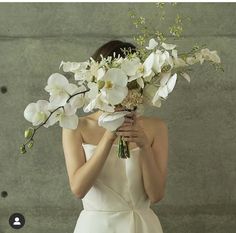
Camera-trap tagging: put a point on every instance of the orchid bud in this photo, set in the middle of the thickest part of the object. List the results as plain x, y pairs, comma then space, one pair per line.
22, 149
31, 143
29, 132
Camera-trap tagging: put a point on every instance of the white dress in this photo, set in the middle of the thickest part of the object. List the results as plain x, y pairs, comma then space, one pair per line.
117, 201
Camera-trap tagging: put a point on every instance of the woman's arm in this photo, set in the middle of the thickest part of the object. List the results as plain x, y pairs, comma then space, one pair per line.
154, 159
82, 174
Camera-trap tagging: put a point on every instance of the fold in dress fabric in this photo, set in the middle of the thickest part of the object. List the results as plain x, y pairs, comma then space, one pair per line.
117, 201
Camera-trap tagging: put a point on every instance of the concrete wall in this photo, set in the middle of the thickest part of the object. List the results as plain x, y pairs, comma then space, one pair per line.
35, 37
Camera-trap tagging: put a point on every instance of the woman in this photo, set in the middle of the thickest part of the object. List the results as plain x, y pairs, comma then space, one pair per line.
116, 193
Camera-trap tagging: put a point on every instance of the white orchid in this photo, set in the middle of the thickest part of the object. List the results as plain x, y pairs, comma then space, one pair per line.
134, 69
148, 93
82, 73
168, 59
66, 116
114, 89
191, 60
167, 84
130, 66
37, 113
186, 76
60, 89
94, 72
78, 101
98, 103
70, 66
199, 57
111, 121
148, 63
78, 68
168, 46
117, 62
178, 62
161, 59
206, 54
93, 92
210, 55
152, 44
155, 62
108, 81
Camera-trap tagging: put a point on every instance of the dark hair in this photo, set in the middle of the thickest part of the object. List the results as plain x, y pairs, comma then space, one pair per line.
112, 46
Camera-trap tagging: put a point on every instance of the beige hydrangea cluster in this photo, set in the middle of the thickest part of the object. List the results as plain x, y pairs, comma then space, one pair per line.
133, 98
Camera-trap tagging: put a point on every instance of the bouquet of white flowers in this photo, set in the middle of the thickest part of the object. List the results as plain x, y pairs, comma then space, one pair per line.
137, 79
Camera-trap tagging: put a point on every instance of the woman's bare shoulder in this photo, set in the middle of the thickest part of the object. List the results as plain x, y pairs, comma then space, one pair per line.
153, 123
85, 122
152, 120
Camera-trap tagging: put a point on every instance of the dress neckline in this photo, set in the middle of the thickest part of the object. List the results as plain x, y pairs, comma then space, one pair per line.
131, 149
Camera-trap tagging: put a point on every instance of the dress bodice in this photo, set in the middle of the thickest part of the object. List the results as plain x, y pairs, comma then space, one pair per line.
118, 197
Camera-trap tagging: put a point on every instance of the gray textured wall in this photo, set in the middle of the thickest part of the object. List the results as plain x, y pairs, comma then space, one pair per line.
35, 37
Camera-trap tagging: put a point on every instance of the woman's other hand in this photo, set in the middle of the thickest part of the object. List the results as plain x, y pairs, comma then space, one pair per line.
133, 132
112, 135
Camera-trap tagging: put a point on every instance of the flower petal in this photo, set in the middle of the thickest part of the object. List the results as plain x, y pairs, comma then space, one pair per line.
90, 106
140, 82
69, 122
168, 46
152, 44
186, 76
30, 111
171, 83
117, 76
130, 67
148, 63
57, 79
164, 78
111, 121
69, 66
116, 95
58, 100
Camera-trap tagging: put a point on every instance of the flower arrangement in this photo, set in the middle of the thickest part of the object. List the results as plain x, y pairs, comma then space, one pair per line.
144, 77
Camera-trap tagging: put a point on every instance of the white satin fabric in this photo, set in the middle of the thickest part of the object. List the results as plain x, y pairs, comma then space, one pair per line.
117, 201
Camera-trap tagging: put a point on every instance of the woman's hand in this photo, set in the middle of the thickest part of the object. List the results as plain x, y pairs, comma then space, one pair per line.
132, 131
112, 135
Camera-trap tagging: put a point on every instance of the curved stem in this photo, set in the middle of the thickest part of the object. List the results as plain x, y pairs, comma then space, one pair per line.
35, 129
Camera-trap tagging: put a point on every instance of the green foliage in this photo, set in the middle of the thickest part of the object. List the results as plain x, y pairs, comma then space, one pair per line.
146, 31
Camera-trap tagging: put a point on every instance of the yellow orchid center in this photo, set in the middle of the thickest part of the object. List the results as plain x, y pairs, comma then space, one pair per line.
108, 84
141, 69
101, 84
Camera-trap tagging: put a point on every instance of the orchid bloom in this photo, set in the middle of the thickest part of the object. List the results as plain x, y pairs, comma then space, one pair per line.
178, 62
98, 103
66, 116
134, 69
70, 66
114, 89
210, 55
167, 85
152, 44
111, 121
168, 46
60, 89
37, 113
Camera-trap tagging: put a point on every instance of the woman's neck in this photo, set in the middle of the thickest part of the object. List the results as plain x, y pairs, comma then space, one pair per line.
96, 115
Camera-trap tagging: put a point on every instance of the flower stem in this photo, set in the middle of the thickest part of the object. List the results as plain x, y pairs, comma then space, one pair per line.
123, 150
43, 123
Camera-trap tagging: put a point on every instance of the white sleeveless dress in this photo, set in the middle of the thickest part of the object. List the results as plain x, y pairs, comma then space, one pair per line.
117, 201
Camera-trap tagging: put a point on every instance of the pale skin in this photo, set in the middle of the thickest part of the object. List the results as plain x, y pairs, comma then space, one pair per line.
150, 134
